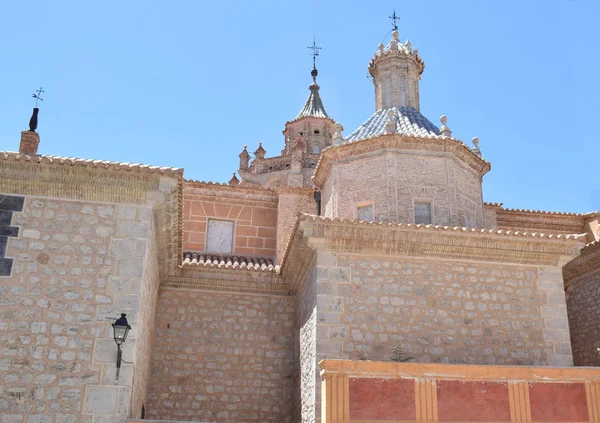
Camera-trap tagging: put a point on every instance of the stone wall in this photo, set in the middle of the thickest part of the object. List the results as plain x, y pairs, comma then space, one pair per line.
254, 213
209, 361
582, 284
306, 376
77, 265
443, 311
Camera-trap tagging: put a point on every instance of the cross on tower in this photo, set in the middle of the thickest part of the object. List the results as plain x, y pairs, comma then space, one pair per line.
315, 52
38, 96
394, 18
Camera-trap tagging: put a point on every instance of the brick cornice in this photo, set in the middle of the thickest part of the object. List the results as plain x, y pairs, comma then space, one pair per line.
228, 280
420, 241
243, 196
306, 192
298, 256
586, 264
397, 142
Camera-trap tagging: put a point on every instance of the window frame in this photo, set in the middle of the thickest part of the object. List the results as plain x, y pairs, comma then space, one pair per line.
208, 234
365, 204
431, 210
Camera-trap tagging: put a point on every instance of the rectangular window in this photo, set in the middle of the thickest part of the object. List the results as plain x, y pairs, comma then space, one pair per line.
365, 212
219, 238
423, 212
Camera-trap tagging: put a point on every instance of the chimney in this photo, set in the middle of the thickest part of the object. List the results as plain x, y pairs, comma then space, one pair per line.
29, 143
30, 139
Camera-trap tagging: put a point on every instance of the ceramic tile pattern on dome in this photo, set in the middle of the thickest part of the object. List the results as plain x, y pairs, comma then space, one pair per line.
409, 121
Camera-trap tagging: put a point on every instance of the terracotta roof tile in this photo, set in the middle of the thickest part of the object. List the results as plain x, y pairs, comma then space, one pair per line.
229, 261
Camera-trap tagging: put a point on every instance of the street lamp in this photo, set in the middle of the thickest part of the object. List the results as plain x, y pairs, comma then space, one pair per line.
120, 331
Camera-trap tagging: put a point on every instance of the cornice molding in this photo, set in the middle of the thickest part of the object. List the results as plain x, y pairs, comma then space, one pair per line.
428, 241
396, 142
303, 191
243, 196
228, 280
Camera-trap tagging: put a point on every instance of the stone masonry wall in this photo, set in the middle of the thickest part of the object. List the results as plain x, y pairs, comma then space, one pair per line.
209, 361
583, 304
147, 299
307, 376
442, 311
255, 222
77, 265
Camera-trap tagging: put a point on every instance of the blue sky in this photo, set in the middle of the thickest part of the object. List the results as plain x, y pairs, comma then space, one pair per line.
189, 83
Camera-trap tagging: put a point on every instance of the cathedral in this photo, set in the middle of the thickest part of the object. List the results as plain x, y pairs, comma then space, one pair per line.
352, 277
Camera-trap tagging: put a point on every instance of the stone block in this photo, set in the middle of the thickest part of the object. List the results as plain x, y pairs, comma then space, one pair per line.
101, 400
126, 212
132, 229
105, 351
132, 267
122, 247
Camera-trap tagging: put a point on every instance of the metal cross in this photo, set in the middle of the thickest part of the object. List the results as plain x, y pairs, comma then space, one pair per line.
394, 18
315, 52
38, 96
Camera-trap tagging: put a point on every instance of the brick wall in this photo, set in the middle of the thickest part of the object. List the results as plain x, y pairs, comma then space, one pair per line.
209, 359
583, 304
77, 265
289, 205
255, 219
392, 182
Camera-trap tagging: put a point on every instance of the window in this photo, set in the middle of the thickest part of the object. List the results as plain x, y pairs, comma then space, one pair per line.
219, 238
423, 212
316, 149
470, 220
365, 212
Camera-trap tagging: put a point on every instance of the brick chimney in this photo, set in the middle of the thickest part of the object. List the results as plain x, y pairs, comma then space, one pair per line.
30, 139
29, 143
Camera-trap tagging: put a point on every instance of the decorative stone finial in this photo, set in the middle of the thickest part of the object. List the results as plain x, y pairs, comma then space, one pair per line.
407, 45
234, 180
476, 149
416, 52
380, 48
394, 42
260, 152
444, 130
244, 158
390, 124
337, 138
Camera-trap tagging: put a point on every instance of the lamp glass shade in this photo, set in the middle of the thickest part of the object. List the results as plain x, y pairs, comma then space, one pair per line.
121, 329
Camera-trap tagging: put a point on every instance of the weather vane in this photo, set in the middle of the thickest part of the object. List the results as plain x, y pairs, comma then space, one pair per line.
315, 52
38, 96
394, 18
